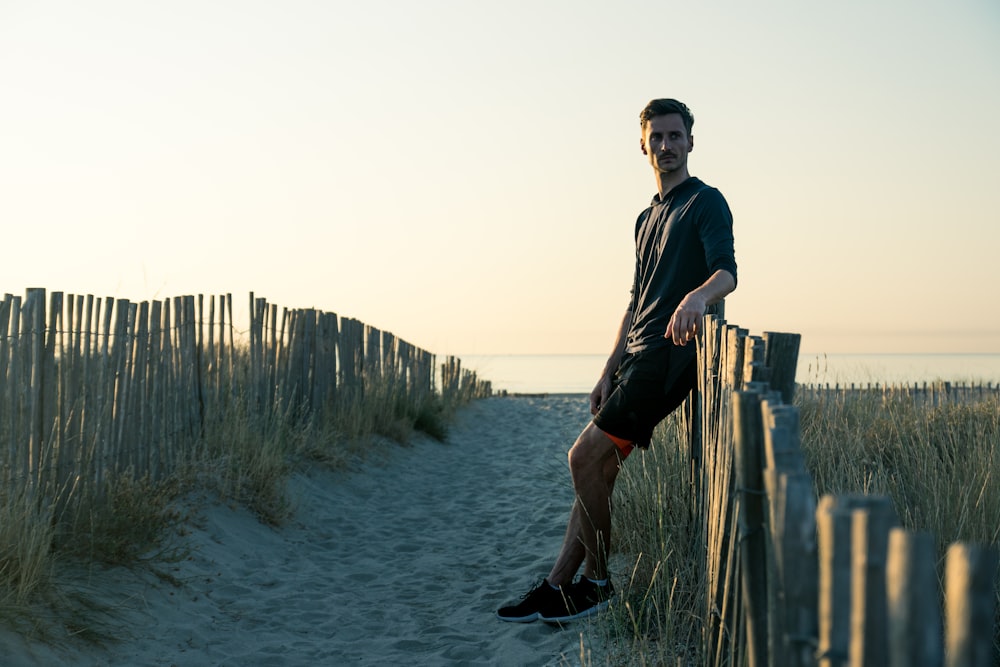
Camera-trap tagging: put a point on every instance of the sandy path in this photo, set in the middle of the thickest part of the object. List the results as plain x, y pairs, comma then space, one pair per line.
399, 562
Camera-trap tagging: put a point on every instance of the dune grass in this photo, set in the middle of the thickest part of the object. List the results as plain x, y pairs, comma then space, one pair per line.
26, 533
243, 458
655, 618
939, 465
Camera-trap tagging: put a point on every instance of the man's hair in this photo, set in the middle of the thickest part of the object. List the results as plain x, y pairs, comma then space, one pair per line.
664, 107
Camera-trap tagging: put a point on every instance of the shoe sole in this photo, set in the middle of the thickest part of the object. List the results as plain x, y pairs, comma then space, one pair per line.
519, 619
556, 620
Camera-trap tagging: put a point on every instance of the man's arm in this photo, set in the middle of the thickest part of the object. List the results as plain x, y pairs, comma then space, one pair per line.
603, 388
686, 320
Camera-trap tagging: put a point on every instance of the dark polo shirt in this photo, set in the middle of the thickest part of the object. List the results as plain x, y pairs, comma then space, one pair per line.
680, 241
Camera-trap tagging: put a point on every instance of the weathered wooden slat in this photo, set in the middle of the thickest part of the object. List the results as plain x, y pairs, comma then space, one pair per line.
272, 351
781, 358
160, 443
50, 383
34, 327
870, 526
140, 407
970, 605
748, 443
308, 358
914, 605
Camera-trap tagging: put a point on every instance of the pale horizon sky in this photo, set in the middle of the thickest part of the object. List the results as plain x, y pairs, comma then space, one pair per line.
467, 174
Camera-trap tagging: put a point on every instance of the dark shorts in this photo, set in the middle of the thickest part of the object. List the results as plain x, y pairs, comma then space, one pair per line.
648, 386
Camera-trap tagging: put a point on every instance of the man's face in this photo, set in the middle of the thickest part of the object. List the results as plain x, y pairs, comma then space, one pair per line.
666, 142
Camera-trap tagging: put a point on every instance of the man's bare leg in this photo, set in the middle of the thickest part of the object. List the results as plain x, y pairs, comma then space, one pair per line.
594, 465
594, 462
572, 554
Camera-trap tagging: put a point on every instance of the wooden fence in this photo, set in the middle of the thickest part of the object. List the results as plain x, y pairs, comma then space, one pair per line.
93, 387
792, 580
921, 393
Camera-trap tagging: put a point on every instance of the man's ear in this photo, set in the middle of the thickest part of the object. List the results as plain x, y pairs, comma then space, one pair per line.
690, 143
642, 146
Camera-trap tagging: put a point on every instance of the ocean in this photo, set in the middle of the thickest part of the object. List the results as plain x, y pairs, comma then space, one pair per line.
577, 373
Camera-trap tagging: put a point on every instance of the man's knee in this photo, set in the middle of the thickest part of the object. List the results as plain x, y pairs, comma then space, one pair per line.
590, 452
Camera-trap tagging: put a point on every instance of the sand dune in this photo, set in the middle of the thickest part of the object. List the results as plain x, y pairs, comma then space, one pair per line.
399, 561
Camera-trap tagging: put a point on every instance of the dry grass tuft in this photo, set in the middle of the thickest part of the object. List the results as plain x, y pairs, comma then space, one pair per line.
939, 465
130, 523
246, 460
26, 533
655, 618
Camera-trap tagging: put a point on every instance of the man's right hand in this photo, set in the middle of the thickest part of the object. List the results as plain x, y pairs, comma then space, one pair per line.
600, 394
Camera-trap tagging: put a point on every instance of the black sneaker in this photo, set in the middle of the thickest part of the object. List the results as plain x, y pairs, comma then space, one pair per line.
542, 599
581, 599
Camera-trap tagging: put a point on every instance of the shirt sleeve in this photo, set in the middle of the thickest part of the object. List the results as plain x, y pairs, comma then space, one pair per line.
715, 227
634, 292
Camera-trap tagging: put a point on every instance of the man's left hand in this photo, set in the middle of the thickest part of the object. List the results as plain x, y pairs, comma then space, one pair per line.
684, 323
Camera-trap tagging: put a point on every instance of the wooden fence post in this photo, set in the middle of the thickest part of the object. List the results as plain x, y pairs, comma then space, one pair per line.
754, 361
914, 607
736, 350
8, 376
140, 403
256, 331
870, 526
799, 567
308, 357
50, 380
833, 526
853, 533
748, 443
34, 319
156, 393
781, 357
719, 502
970, 605
326, 365
792, 520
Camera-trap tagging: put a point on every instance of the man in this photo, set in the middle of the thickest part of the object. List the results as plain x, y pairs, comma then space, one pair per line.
684, 263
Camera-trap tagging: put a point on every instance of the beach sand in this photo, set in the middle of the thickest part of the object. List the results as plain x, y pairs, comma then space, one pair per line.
397, 561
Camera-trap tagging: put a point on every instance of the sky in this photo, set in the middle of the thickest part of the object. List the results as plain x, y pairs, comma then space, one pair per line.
467, 174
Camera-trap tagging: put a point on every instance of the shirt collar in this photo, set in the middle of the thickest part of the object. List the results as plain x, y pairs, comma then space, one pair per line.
657, 201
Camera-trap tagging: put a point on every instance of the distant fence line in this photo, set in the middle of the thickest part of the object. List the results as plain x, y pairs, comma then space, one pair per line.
792, 580
922, 393
90, 387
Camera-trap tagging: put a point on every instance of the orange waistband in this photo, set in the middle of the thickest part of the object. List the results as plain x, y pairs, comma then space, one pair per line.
623, 445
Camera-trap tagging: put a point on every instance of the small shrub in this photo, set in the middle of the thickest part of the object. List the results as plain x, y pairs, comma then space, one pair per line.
432, 418
129, 523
